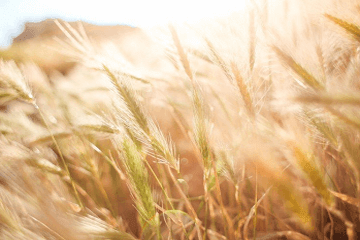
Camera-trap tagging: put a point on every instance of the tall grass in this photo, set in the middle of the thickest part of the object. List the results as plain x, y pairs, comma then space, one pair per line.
251, 133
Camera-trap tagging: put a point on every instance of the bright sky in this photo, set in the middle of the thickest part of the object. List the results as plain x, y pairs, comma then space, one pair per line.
13, 13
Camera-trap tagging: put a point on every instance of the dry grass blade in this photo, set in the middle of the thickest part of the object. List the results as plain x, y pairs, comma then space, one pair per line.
253, 212
350, 28
350, 228
229, 227
198, 224
115, 235
290, 235
327, 99
309, 79
346, 198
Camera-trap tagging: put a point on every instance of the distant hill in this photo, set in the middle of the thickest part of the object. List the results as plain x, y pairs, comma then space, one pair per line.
37, 44
48, 28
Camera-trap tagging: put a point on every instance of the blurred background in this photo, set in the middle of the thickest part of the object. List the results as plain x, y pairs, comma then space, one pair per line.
139, 13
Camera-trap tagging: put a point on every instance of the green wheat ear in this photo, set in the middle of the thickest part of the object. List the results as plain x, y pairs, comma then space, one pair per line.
140, 188
350, 28
315, 176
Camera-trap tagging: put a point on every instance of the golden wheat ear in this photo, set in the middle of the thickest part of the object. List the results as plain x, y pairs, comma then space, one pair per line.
307, 77
352, 29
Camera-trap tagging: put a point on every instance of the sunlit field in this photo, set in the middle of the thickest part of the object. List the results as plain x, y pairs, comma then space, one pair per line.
240, 127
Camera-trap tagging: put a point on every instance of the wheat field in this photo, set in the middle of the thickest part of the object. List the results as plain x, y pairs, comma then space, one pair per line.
243, 127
